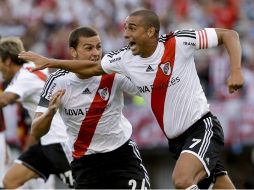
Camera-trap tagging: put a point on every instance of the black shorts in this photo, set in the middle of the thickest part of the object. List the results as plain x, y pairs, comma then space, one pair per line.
46, 160
118, 169
205, 140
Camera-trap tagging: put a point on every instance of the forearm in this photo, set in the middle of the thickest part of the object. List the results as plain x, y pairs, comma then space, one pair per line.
85, 68
41, 124
231, 41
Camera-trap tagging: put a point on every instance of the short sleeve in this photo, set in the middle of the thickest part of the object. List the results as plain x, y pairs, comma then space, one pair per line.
50, 87
206, 38
126, 85
112, 63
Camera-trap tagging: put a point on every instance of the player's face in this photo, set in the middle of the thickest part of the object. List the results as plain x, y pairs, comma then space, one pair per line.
5, 69
136, 36
89, 48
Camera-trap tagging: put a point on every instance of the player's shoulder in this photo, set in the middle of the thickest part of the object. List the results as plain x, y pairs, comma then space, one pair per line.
58, 74
190, 33
117, 54
178, 34
56, 79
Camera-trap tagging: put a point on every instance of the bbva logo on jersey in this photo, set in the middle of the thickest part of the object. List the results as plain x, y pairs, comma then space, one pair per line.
165, 67
104, 93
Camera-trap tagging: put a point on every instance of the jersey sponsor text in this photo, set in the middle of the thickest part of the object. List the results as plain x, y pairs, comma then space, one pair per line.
148, 88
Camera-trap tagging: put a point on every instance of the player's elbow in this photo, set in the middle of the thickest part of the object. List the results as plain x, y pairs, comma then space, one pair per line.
233, 34
227, 35
35, 133
38, 132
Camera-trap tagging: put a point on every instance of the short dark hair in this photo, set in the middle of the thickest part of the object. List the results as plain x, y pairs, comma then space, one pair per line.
80, 32
150, 18
10, 47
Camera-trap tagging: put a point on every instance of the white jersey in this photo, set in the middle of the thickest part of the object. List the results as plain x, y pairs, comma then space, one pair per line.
168, 79
92, 110
28, 86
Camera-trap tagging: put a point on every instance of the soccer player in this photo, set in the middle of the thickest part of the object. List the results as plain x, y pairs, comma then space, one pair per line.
47, 156
163, 70
104, 157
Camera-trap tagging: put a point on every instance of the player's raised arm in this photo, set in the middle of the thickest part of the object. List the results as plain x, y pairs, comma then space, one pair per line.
42, 121
230, 39
84, 67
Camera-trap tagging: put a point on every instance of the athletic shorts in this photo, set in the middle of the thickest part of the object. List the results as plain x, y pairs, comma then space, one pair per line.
205, 140
118, 169
47, 159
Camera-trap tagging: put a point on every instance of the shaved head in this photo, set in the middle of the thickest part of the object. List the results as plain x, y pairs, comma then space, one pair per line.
149, 19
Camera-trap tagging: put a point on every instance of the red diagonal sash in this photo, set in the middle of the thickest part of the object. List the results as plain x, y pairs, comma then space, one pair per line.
93, 116
41, 75
161, 81
38, 73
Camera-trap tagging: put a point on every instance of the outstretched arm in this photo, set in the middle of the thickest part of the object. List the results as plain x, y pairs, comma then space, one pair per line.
230, 40
42, 121
85, 68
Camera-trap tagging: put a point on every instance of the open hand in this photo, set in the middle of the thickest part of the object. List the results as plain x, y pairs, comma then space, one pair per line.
40, 61
55, 101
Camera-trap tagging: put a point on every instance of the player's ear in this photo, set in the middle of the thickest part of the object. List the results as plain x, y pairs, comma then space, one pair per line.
151, 32
8, 62
73, 52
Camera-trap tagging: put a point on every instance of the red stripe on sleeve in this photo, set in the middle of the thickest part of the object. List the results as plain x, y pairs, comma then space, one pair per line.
200, 40
203, 41
206, 39
161, 81
92, 118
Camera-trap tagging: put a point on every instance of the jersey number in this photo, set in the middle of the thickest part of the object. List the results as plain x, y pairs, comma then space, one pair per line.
133, 183
196, 141
67, 178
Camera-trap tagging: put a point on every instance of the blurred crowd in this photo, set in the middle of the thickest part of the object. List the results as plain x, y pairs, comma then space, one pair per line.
44, 26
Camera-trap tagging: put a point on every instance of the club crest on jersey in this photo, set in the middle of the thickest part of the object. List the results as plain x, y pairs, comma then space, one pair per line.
104, 93
165, 67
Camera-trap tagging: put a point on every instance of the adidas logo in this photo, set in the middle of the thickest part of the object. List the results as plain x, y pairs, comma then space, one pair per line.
86, 91
149, 69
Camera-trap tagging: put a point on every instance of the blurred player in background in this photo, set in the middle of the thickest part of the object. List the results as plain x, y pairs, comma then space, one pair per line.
46, 156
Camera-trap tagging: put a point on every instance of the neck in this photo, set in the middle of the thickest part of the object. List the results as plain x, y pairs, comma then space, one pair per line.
78, 75
15, 68
150, 49
81, 77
